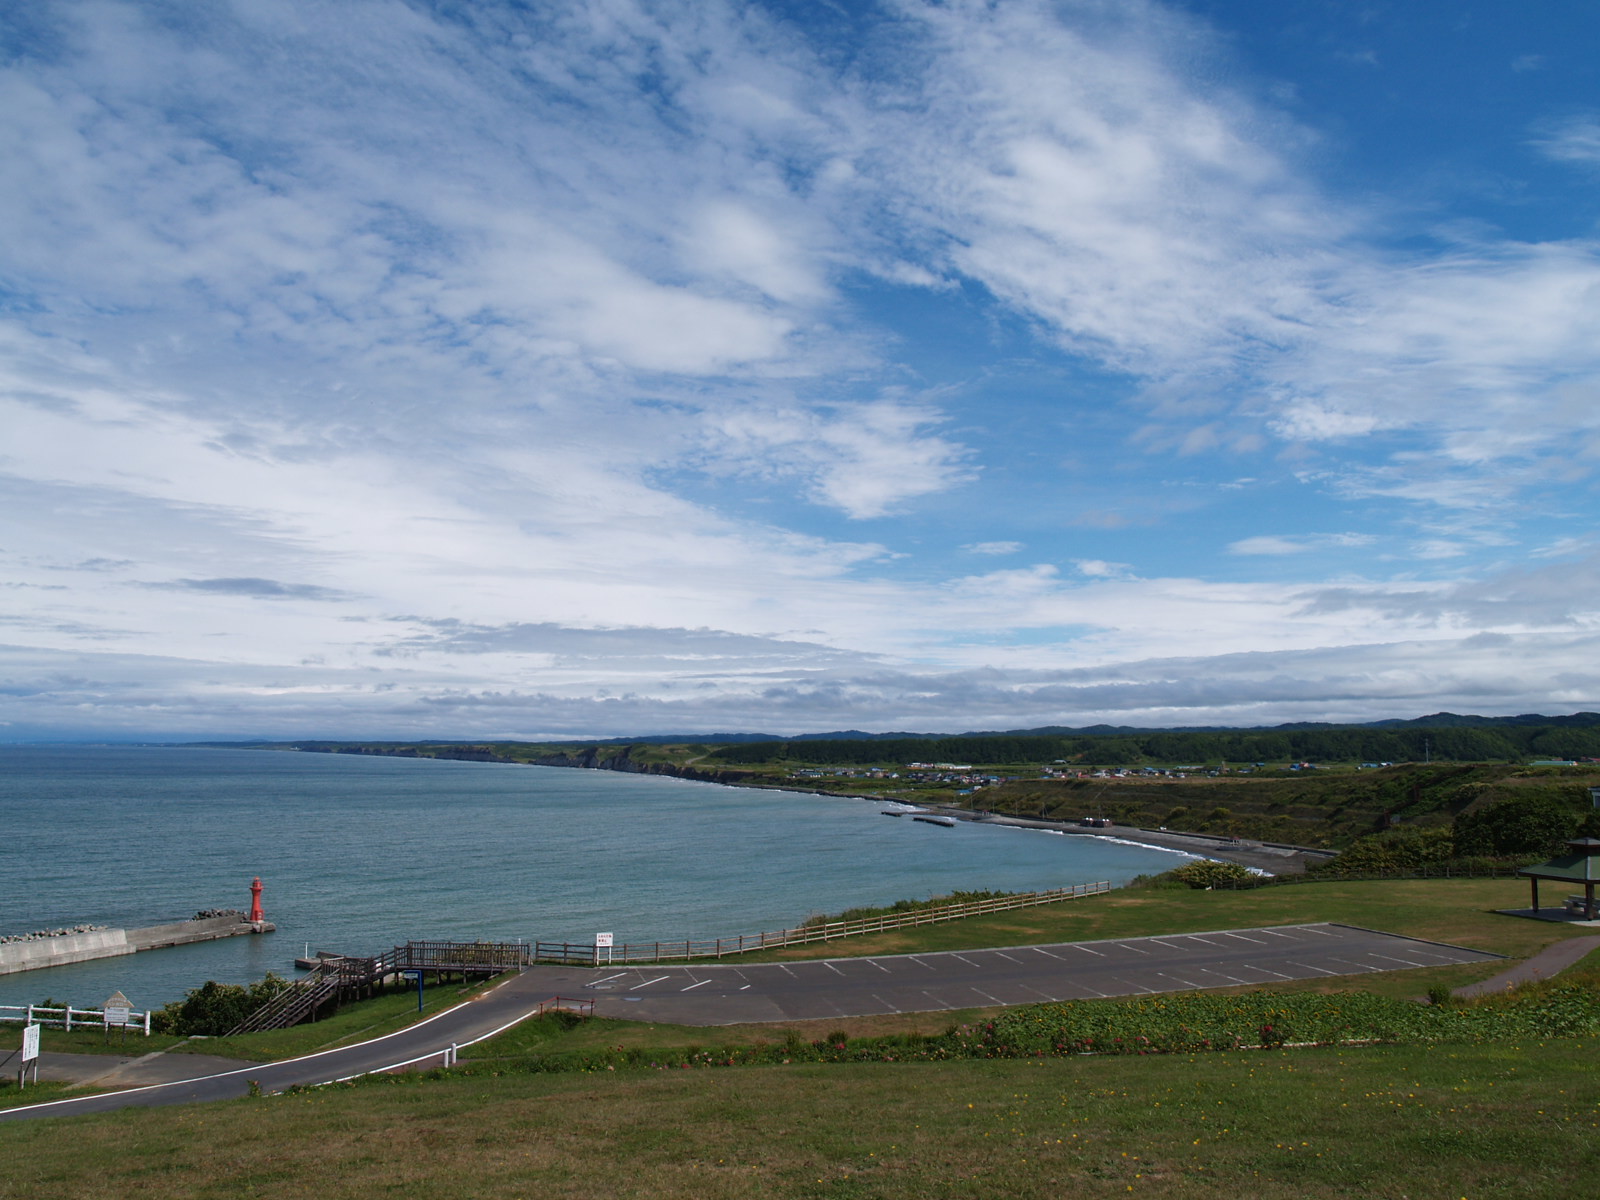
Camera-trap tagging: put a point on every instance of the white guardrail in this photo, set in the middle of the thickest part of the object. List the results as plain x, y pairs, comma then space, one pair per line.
71, 1018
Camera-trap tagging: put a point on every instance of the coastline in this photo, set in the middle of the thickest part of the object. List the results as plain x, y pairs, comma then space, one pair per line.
1274, 858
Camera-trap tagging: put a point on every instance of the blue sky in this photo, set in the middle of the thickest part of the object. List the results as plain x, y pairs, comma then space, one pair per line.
385, 369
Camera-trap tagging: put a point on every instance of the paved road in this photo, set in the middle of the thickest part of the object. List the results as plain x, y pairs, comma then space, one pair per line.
829, 988
853, 987
421, 1044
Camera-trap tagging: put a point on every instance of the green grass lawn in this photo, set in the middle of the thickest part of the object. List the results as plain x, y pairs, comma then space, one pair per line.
1498, 1121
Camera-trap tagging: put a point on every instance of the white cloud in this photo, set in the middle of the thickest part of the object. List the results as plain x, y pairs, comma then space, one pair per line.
1575, 139
1275, 545
996, 548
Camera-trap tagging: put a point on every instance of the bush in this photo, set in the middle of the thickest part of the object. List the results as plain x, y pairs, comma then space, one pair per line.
1208, 873
213, 1008
1536, 824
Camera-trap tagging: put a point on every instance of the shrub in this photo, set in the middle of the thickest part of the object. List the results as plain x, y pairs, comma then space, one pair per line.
213, 1008
1208, 873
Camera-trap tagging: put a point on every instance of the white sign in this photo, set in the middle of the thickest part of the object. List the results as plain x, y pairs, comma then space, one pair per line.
118, 1010
30, 1043
603, 941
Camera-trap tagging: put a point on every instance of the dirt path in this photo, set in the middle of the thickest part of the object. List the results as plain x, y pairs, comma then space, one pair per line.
1550, 961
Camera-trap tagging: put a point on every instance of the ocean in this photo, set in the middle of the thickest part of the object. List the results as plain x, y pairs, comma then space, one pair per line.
357, 854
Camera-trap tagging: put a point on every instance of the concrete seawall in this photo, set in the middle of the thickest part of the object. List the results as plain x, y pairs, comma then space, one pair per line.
110, 943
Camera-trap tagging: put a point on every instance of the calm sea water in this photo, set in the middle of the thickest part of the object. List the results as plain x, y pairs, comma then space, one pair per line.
357, 854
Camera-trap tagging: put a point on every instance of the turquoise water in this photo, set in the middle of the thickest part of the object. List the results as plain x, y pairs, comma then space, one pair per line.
358, 853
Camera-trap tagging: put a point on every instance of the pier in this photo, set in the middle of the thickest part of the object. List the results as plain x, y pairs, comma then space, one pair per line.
36, 953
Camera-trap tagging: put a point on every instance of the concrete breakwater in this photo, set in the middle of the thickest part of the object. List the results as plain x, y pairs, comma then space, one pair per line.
35, 953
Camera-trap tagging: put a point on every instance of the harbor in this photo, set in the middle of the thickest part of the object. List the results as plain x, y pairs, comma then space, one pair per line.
37, 952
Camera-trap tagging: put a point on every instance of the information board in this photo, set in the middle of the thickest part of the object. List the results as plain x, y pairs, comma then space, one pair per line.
30, 1043
603, 940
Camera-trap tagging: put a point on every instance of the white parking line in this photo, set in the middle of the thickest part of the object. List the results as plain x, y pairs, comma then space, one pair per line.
986, 996
1309, 967
1046, 953
1242, 938
1131, 946
1138, 987
648, 982
609, 978
1086, 950
1392, 958
1194, 937
919, 962
879, 965
692, 986
938, 1003
833, 968
968, 961
1276, 933
1181, 979
1224, 974
1008, 958
1264, 971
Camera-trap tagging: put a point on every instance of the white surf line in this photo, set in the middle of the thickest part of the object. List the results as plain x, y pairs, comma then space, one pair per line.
692, 986
648, 982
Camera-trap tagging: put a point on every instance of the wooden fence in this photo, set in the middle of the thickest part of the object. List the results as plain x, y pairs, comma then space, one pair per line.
69, 1017
585, 954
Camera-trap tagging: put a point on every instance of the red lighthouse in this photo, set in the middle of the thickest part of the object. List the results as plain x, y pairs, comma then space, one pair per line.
255, 901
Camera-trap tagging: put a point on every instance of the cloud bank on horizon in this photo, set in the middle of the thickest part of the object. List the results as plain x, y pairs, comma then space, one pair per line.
383, 368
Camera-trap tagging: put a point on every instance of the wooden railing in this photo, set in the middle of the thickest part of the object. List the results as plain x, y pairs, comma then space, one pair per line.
69, 1017
336, 977
670, 951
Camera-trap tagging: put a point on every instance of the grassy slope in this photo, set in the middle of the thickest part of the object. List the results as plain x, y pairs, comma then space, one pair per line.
1479, 1121
1513, 1121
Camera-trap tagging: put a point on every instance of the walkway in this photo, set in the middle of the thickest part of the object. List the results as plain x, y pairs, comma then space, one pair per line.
1552, 960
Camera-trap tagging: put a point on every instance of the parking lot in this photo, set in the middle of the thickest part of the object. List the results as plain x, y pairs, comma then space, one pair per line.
734, 993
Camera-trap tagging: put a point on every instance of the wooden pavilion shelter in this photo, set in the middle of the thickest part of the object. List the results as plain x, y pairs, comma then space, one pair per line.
1579, 865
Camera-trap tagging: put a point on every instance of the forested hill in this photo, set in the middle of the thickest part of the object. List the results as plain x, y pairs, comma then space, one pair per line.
1507, 742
